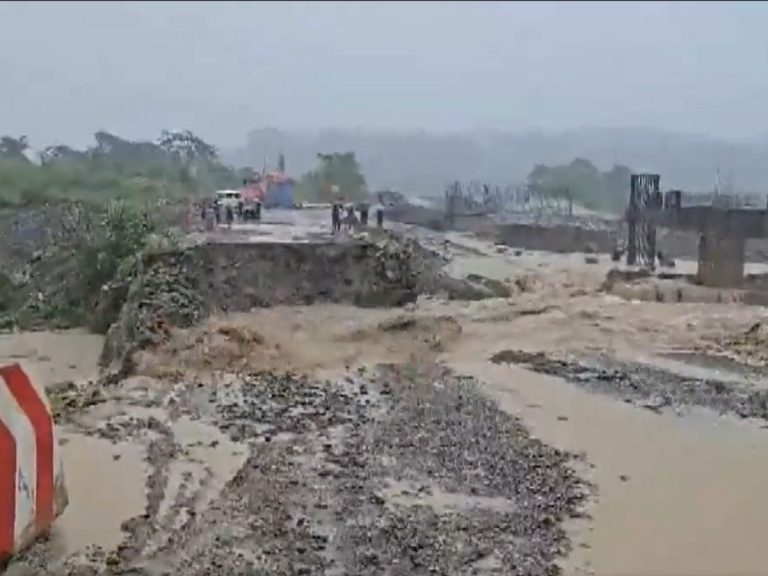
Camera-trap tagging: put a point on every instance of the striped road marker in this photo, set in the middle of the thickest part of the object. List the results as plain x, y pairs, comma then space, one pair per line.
30, 466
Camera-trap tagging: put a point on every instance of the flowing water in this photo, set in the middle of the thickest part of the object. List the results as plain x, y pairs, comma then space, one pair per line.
675, 495
53, 357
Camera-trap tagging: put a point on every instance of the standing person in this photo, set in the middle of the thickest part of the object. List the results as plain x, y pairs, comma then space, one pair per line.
379, 215
209, 219
217, 211
257, 211
364, 214
335, 218
230, 216
350, 219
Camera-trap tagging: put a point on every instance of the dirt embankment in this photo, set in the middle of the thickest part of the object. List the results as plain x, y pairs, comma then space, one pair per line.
177, 289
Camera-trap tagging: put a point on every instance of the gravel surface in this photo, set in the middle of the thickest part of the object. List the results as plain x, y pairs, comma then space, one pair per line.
397, 470
647, 386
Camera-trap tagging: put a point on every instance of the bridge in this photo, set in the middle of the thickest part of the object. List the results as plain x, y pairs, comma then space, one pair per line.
723, 230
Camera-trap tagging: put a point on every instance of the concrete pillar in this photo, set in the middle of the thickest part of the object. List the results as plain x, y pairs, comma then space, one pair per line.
721, 260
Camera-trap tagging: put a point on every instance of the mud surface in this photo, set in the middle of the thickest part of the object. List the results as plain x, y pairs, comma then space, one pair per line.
402, 470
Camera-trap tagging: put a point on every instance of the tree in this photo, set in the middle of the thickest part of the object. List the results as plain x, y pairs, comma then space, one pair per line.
14, 148
334, 170
60, 152
187, 146
586, 184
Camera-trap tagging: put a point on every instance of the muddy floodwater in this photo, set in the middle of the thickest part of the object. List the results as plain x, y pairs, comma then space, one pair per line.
674, 493
54, 357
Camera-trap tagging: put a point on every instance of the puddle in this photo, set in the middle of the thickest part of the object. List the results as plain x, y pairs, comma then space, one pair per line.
103, 492
676, 495
207, 446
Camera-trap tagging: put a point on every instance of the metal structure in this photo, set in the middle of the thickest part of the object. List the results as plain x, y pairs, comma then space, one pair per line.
644, 195
477, 198
723, 229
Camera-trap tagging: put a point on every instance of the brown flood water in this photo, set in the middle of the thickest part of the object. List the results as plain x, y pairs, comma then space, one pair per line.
676, 495
53, 357
694, 493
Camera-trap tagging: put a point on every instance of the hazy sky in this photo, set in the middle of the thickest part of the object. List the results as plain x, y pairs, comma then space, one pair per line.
68, 69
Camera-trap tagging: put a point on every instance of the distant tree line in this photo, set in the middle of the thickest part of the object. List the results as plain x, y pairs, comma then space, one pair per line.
178, 163
337, 176
587, 185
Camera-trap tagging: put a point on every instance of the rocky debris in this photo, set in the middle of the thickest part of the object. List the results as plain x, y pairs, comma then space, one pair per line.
750, 347
529, 283
496, 287
647, 386
166, 295
400, 470
68, 399
617, 276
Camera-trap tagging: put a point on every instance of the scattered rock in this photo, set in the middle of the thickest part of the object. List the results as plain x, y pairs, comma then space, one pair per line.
647, 386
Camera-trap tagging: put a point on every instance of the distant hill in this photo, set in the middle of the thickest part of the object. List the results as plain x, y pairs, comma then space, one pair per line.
421, 163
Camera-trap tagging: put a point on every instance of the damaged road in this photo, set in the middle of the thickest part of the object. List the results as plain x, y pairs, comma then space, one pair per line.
402, 469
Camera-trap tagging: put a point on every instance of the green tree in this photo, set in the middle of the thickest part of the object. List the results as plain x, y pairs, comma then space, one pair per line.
586, 184
179, 164
335, 170
13, 148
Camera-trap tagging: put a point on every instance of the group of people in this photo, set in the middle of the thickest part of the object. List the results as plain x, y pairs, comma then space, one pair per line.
211, 213
350, 219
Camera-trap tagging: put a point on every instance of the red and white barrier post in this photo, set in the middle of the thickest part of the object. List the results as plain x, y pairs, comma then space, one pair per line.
32, 489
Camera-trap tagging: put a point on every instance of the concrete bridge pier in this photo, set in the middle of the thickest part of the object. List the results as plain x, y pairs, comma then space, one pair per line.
721, 259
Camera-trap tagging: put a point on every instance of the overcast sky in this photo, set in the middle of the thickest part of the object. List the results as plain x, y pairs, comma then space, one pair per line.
68, 69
